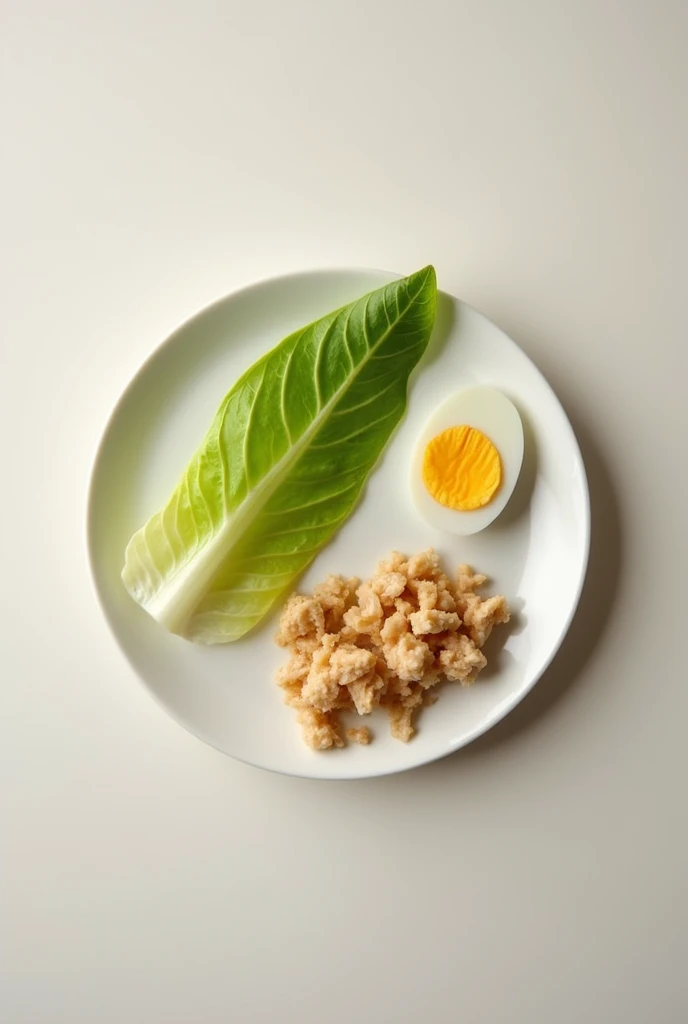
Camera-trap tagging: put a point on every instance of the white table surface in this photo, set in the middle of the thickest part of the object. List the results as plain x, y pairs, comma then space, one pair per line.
157, 156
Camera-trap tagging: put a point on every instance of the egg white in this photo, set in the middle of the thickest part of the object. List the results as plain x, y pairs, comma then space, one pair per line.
491, 412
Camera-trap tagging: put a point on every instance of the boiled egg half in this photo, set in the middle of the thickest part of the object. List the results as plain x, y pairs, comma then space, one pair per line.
467, 461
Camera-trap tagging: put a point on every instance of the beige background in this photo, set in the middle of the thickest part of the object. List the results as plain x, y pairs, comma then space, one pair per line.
158, 155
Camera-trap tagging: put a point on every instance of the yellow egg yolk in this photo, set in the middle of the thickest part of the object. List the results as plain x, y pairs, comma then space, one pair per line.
462, 468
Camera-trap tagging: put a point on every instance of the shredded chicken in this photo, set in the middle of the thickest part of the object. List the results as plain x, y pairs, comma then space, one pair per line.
383, 643
361, 735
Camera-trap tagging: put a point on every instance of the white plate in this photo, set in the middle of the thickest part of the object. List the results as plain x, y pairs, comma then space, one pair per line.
535, 553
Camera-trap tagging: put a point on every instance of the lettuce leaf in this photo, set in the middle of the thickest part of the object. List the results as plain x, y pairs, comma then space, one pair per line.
282, 465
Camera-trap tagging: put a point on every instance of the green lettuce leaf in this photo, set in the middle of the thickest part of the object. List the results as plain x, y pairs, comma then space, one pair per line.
282, 465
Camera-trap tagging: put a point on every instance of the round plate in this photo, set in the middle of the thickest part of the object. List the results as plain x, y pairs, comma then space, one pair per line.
536, 552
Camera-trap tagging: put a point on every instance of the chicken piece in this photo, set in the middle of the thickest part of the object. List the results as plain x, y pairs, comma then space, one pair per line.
395, 563
461, 658
431, 620
388, 586
425, 565
333, 667
400, 722
335, 594
409, 657
405, 654
482, 614
301, 617
468, 581
366, 616
365, 692
319, 729
445, 598
361, 735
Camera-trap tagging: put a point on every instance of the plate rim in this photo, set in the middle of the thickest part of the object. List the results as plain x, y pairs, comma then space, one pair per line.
501, 711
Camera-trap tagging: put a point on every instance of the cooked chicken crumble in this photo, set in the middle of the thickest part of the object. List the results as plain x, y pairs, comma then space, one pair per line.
383, 643
361, 735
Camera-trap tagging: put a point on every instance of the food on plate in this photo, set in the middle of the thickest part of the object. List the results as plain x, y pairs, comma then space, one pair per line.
467, 461
383, 643
282, 466
362, 735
